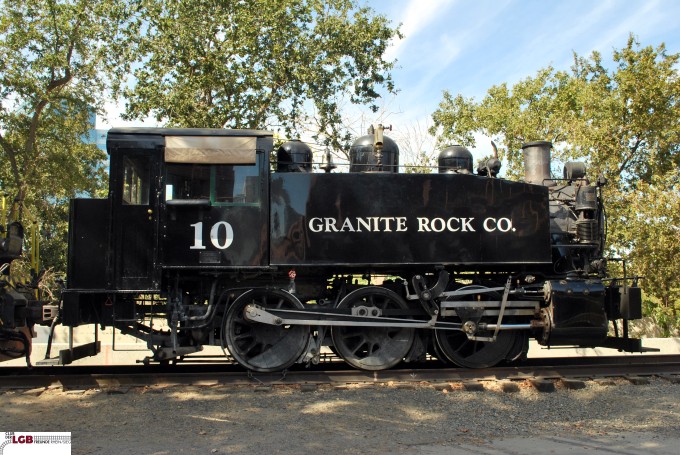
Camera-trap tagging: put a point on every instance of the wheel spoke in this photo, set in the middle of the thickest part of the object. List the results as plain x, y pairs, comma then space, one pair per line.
249, 348
242, 336
349, 334
358, 347
462, 345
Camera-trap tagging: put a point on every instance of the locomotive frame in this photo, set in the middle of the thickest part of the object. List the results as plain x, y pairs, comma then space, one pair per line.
200, 242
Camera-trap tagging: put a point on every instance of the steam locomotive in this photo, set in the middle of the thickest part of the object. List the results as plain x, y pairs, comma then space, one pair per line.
20, 306
203, 241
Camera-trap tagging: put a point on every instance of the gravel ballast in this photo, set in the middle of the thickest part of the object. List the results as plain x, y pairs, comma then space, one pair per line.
375, 419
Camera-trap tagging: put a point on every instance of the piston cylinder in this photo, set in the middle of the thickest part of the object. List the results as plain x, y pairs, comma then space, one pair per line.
575, 313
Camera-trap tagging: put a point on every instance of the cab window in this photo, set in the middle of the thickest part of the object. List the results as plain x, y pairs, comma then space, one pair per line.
220, 184
136, 180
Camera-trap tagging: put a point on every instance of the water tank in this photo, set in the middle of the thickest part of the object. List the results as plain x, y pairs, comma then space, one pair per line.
362, 157
455, 159
294, 156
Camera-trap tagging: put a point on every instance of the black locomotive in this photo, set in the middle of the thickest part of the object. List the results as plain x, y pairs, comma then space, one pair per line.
202, 241
20, 305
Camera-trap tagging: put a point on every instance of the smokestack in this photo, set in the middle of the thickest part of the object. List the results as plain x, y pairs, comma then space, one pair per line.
537, 162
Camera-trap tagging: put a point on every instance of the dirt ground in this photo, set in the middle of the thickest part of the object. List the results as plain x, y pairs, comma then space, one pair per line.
379, 419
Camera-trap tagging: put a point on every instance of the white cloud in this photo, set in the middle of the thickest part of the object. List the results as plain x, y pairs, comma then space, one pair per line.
416, 17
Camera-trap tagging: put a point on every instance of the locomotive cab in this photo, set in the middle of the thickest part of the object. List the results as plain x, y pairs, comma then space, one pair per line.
180, 201
187, 199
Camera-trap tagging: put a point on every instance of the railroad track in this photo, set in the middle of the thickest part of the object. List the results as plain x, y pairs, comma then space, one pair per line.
540, 372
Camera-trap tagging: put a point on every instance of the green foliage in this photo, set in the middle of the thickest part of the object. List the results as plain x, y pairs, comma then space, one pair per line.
625, 123
254, 64
649, 231
57, 59
529, 111
259, 64
665, 318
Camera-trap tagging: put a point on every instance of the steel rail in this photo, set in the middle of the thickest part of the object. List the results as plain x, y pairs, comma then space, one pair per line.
333, 373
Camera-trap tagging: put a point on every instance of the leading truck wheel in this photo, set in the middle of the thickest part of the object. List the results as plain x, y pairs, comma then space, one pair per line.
262, 347
372, 348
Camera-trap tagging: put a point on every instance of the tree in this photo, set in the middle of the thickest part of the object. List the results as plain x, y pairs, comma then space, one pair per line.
651, 237
418, 148
625, 123
259, 64
57, 59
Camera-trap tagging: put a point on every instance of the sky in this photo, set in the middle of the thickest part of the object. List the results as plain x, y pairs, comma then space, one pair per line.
467, 46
